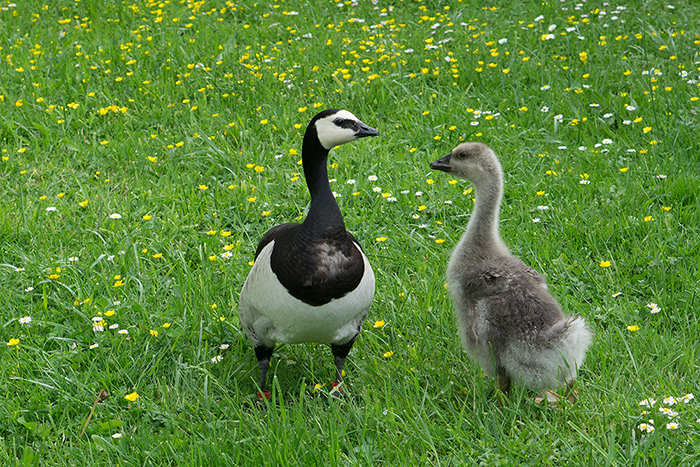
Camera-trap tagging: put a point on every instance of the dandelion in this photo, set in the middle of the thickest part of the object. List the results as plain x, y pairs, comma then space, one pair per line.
132, 397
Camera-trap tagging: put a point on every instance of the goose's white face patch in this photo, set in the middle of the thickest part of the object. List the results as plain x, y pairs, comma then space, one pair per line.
331, 135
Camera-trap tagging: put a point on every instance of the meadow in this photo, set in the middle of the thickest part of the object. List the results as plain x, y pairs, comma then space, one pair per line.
146, 146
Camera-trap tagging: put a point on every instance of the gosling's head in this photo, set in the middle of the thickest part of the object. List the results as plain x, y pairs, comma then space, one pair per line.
474, 161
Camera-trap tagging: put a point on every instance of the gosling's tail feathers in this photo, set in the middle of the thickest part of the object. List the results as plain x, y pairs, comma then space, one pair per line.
577, 339
555, 360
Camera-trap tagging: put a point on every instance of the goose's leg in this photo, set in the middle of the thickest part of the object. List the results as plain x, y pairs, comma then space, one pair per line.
340, 353
263, 353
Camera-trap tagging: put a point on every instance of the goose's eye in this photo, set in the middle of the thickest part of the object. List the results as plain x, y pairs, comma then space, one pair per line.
345, 123
461, 155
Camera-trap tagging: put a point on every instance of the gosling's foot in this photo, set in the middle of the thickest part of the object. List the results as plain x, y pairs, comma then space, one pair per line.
554, 398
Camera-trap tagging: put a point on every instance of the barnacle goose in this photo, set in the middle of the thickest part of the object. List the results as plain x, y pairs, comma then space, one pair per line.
310, 282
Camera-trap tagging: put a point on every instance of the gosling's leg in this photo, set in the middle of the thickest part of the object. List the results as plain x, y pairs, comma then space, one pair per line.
263, 353
571, 392
503, 386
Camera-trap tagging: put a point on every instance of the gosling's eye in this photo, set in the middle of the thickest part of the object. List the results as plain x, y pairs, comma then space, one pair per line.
461, 155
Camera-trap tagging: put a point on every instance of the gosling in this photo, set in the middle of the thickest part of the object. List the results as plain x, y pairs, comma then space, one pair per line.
507, 320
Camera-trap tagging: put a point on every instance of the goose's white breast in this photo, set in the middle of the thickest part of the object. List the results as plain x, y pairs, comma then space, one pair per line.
270, 314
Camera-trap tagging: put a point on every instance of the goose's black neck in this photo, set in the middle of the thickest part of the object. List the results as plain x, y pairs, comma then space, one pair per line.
324, 217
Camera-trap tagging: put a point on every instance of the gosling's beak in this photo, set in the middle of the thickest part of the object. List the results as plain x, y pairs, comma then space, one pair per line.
365, 131
442, 164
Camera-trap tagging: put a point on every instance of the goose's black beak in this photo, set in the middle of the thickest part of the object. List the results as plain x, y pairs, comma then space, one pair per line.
365, 131
442, 164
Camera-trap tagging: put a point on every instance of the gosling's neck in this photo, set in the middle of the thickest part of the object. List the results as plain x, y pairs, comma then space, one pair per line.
482, 240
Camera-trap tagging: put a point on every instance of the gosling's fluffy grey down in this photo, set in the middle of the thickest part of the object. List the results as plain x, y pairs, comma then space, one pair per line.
507, 319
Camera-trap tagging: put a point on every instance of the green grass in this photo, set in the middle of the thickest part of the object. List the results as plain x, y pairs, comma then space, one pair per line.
176, 110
